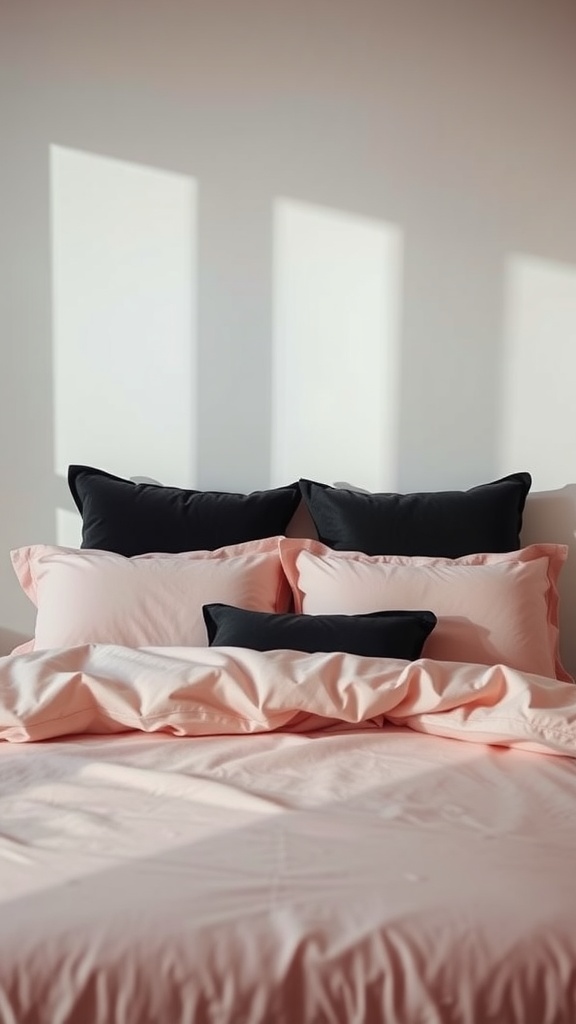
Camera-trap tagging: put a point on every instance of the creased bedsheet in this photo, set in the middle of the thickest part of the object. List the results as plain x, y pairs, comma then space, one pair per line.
223, 691
347, 874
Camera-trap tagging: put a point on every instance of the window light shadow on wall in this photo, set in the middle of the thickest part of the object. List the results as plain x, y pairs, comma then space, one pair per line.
336, 301
538, 425
124, 319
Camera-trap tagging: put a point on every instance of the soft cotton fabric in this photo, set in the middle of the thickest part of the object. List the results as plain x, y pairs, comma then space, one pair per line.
345, 876
389, 634
86, 596
229, 690
491, 608
135, 518
432, 523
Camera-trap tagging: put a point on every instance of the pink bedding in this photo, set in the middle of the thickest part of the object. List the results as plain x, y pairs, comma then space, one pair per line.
339, 868
221, 691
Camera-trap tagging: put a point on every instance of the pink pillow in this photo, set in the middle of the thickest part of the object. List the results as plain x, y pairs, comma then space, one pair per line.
492, 609
153, 600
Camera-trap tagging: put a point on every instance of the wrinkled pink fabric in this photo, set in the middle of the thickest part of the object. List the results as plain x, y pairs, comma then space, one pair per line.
223, 691
348, 876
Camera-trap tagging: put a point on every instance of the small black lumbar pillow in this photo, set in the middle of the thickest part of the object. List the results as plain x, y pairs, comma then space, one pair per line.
437, 524
386, 634
134, 519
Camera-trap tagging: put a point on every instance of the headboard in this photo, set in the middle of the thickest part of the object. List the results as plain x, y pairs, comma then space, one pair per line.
550, 516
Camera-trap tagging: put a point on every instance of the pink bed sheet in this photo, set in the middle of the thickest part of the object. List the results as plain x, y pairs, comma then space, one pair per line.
344, 875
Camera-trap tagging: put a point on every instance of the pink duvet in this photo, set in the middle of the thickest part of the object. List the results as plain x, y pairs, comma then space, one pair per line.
297, 855
223, 691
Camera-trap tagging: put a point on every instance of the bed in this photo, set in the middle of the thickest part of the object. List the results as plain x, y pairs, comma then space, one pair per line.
253, 833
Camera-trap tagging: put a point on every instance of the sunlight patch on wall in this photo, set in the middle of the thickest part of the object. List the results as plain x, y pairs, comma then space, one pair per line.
124, 311
68, 528
337, 289
538, 426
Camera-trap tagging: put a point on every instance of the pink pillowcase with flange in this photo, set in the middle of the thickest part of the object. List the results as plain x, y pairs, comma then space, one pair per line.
491, 608
153, 600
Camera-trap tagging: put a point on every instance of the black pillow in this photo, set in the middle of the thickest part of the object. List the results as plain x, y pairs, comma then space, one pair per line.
133, 519
389, 634
437, 523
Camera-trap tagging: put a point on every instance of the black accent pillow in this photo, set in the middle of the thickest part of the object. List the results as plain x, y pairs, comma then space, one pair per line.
387, 634
134, 519
445, 524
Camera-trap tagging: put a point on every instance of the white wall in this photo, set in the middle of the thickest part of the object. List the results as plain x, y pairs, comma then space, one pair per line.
448, 122
123, 315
